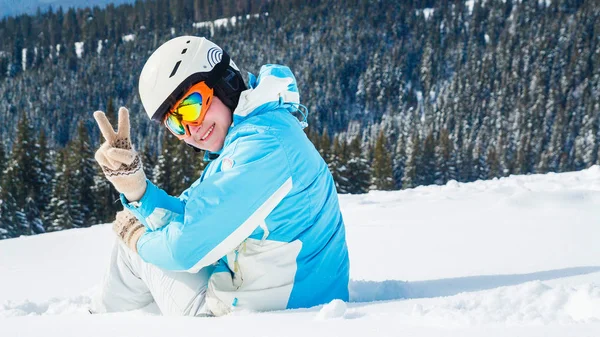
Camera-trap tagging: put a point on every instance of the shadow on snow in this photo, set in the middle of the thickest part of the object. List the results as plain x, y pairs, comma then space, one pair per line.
367, 291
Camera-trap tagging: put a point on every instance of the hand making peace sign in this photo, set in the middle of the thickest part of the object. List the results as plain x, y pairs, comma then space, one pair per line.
120, 162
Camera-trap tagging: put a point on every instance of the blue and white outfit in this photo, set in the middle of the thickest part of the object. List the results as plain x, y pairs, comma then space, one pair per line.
263, 222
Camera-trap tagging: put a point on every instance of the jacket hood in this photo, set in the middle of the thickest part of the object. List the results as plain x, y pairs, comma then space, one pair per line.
275, 87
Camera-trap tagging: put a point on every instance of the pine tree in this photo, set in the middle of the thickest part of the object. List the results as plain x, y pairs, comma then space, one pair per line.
185, 161
586, 146
427, 77
8, 208
61, 205
443, 155
8, 216
83, 169
338, 165
3, 158
165, 172
399, 161
44, 169
19, 181
523, 153
18, 171
383, 176
493, 163
106, 198
480, 156
359, 172
426, 175
557, 139
111, 112
410, 178
149, 161
466, 170
33, 217
325, 146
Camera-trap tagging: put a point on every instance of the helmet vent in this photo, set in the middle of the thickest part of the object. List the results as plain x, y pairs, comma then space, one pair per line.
175, 69
183, 51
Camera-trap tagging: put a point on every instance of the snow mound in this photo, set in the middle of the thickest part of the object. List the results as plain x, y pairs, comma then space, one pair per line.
55, 306
334, 309
529, 303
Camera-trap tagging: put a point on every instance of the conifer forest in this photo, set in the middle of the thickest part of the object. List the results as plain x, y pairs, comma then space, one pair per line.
399, 93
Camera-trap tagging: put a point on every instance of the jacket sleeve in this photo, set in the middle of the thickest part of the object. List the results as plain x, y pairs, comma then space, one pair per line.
156, 208
224, 209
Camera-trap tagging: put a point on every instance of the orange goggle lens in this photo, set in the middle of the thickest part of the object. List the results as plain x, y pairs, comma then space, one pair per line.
189, 111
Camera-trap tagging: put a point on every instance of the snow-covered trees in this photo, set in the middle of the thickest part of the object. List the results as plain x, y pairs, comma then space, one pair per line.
463, 93
338, 165
20, 185
177, 167
383, 175
62, 206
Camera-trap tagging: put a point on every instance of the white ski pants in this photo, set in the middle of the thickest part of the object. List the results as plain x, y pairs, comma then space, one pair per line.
130, 283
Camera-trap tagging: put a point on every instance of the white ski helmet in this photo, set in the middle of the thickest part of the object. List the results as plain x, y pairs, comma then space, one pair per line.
182, 62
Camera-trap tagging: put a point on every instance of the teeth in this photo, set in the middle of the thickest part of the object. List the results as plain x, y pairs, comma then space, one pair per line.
207, 132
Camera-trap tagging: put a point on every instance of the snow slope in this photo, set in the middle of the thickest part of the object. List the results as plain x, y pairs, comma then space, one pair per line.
517, 256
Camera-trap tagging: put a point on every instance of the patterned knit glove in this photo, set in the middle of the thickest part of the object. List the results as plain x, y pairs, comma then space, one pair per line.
128, 228
120, 163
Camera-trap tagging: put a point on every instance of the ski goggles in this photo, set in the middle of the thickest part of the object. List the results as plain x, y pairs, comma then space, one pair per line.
189, 110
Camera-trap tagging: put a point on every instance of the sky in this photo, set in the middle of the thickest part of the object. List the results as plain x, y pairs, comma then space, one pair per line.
16, 7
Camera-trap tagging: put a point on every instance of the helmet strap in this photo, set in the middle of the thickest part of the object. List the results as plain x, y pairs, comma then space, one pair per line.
193, 147
218, 71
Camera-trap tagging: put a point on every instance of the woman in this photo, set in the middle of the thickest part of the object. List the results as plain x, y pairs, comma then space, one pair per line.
260, 230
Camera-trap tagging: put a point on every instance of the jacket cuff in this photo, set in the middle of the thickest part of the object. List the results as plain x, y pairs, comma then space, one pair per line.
156, 208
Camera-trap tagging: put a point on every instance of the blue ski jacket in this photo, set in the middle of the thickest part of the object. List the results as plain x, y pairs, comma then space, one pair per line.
264, 215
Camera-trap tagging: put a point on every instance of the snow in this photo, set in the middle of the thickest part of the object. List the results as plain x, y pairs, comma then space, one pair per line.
224, 22
516, 256
99, 48
334, 309
470, 4
427, 12
79, 49
24, 59
128, 38
255, 16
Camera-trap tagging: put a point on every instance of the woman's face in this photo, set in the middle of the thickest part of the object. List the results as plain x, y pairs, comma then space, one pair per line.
210, 135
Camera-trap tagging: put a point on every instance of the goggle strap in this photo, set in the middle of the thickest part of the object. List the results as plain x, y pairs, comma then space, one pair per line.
214, 76
218, 71
159, 114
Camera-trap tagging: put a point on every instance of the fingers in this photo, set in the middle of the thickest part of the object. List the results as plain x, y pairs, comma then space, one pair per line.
113, 158
105, 127
121, 155
102, 158
123, 127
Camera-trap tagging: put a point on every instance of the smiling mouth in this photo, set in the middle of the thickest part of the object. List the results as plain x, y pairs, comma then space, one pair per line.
208, 133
